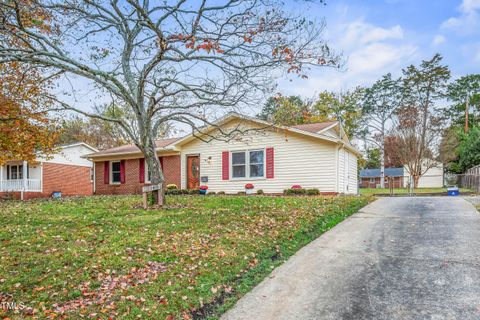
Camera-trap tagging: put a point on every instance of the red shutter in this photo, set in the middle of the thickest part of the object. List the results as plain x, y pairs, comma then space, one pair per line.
270, 163
161, 162
225, 165
106, 172
122, 171
141, 170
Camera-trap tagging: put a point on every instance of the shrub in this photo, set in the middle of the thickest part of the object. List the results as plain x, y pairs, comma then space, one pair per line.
249, 186
172, 186
221, 192
176, 191
294, 191
313, 192
211, 193
193, 191
241, 193
260, 191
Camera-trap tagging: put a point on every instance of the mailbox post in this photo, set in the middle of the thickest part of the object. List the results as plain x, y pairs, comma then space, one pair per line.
146, 190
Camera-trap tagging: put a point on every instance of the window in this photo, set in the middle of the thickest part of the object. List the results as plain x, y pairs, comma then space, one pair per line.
372, 180
248, 164
256, 164
115, 172
16, 172
238, 165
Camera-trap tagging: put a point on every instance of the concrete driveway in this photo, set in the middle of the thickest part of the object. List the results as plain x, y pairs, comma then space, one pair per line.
398, 258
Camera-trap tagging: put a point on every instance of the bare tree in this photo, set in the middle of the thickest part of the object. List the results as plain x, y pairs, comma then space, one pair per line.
167, 61
418, 125
380, 102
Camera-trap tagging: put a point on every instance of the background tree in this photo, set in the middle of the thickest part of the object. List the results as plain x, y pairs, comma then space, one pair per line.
468, 150
288, 110
466, 87
344, 107
372, 160
176, 61
392, 159
379, 104
26, 130
418, 124
448, 148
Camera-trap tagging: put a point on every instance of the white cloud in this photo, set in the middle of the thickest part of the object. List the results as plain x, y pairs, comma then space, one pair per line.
370, 50
467, 22
359, 32
438, 40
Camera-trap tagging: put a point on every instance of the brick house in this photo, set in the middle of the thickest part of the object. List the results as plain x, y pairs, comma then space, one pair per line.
66, 172
271, 157
370, 178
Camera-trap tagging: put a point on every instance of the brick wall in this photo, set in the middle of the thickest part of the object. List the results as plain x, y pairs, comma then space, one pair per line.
397, 182
132, 185
71, 180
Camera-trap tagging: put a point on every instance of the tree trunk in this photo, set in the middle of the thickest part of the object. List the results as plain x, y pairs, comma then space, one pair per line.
155, 169
382, 158
416, 178
382, 168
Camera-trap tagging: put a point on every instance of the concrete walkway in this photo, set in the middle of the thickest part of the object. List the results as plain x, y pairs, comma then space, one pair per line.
398, 258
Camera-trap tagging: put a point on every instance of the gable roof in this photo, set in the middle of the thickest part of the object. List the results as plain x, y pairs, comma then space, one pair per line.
130, 148
315, 127
375, 173
79, 144
171, 144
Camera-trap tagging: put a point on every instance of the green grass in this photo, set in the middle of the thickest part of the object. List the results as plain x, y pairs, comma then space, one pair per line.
374, 191
193, 259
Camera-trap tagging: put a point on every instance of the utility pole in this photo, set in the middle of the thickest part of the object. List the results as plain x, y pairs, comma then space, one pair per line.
466, 114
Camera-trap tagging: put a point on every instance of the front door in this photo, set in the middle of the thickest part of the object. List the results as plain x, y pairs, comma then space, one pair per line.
193, 172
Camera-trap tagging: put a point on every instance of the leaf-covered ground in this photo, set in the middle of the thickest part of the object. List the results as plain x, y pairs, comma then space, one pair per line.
103, 257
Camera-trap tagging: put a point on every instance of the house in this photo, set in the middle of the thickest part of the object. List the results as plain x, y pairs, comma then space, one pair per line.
432, 178
270, 157
370, 178
66, 172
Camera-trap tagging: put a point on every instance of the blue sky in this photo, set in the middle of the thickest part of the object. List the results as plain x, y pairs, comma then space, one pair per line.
380, 36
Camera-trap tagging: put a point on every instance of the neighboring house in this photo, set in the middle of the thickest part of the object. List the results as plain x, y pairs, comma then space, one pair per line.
432, 178
271, 157
66, 172
370, 178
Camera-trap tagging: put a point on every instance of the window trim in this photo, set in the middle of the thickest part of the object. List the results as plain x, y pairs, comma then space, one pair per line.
247, 164
18, 171
372, 179
111, 172
146, 178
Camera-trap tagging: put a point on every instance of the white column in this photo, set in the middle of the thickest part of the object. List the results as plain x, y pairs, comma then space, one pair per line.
1, 178
25, 168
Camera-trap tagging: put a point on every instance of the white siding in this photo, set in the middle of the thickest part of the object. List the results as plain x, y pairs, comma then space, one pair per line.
341, 170
353, 174
298, 159
432, 178
72, 155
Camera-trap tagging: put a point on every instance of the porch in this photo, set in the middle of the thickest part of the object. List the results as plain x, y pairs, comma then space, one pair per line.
17, 176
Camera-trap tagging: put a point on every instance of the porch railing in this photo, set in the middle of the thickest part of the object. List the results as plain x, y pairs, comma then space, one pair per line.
18, 185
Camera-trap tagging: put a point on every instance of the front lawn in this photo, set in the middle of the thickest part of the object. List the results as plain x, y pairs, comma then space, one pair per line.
374, 191
103, 257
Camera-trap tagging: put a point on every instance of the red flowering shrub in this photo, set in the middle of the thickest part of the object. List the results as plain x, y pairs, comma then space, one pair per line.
203, 188
249, 186
296, 186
